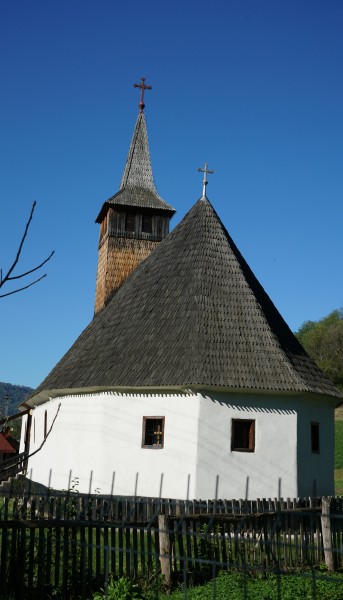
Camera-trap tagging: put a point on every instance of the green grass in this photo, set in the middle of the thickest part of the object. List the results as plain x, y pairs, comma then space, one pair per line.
338, 444
339, 482
235, 586
339, 457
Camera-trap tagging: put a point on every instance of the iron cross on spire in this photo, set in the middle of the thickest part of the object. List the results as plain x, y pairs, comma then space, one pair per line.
142, 87
205, 170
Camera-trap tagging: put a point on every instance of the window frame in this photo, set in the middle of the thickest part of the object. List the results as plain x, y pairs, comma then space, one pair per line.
315, 437
144, 432
235, 447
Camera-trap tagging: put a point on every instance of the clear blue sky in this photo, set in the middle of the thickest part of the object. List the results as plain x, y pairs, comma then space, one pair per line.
255, 88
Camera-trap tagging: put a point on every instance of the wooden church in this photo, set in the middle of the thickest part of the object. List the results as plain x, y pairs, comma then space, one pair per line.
187, 383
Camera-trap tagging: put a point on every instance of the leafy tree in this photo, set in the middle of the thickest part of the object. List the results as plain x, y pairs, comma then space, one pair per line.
323, 341
10, 398
16, 395
9, 274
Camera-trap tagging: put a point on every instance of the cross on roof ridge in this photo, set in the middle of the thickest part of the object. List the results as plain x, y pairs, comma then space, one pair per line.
205, 170
142, 87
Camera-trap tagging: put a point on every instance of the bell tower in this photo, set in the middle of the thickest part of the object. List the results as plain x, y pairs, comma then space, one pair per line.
134, 220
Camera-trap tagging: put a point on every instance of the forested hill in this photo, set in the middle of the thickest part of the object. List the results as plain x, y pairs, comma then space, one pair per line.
16, 393
323, 341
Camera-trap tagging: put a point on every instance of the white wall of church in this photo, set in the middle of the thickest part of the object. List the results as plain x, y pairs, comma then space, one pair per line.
316, 469
269, 470
98, 438
282, 463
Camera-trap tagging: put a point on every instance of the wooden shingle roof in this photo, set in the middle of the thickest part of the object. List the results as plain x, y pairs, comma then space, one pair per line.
137, 187
192, 313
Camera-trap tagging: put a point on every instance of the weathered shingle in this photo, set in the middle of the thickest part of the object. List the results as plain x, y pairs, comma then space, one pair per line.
192, 313
137, 187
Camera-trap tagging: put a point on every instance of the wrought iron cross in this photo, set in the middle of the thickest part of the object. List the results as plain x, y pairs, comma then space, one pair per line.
142, 87
205, 170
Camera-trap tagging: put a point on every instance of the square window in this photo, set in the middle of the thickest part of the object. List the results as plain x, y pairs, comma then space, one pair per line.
315, 437
243, 435
153, 432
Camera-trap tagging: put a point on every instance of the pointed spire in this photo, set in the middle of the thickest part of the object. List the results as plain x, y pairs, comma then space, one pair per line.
138, 170
205, 170
137, 186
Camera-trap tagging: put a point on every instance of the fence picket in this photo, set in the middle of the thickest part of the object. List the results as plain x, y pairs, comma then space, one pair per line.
73, 541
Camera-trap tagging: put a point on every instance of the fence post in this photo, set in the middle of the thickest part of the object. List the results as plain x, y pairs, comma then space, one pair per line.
327, 532
165, 548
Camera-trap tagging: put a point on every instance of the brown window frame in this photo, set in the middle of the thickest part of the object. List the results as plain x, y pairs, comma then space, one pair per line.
315, 437
145, 434
237, 434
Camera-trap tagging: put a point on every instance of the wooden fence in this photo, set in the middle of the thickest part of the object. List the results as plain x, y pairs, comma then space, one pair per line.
11, 466
72, 542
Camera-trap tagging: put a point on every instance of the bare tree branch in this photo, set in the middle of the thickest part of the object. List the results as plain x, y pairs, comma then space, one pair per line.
9, 276
23, 288
47, 435
20, 246
32, 270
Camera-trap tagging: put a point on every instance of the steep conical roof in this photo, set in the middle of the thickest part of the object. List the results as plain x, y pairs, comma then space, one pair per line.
192, 313
137, 187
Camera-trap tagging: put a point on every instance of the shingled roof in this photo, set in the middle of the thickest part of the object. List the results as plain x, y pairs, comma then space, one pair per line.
192, 313
137, 187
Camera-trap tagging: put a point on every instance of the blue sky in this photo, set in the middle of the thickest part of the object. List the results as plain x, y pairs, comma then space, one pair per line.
254, 88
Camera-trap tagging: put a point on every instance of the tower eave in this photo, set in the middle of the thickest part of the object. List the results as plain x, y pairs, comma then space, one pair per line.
135, 198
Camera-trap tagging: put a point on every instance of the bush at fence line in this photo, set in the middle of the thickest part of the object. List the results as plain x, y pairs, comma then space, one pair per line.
120, 589
207, 548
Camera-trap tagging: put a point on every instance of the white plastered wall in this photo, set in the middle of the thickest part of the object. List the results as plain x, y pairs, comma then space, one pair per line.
268, 471
282, 463
98, 438
316, 470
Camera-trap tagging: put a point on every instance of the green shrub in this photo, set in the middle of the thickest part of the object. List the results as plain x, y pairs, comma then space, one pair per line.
307, 585
120, 589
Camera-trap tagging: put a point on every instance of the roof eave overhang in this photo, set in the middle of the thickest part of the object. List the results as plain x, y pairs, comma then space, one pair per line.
111, 202
43, 396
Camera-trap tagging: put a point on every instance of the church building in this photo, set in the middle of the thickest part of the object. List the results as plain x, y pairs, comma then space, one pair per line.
187, 383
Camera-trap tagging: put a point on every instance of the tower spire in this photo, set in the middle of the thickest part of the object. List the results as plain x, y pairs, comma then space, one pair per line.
205, 170
133, 221
142, 87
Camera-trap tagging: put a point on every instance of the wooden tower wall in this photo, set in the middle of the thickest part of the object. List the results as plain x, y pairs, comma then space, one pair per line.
126, 238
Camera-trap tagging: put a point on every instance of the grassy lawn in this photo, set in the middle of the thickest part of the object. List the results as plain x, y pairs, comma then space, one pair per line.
338, 456
235, 586
339, 482
338, 444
